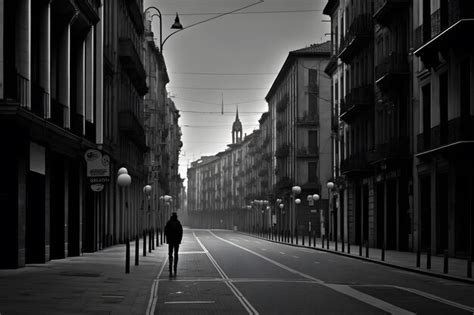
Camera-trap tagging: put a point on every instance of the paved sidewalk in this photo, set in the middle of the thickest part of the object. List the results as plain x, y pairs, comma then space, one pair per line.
94, 283
457, 268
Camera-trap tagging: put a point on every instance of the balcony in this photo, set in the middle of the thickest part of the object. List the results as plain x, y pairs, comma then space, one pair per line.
356, 165
90, 9
282, 151
129, 124
393, 151
444, 30
392, 70
131, 61
454, 137
359, 100
58, 113
305, 153
385, 9
331, 66
135, 12
39, 100
360, 32
308, 120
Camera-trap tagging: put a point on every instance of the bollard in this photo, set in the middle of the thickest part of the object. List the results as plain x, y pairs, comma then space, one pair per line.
127, 256
157, 237
418, 256
342, 244
428, 259
383, 252
445, 265
153, 239
296, 236
144, 243
302, 238
161, 235
137, 249
149, 241
327, 242
348, 246
314, 239
335, 242
322, 240
309, 239
469, 267
366, 249
360, 248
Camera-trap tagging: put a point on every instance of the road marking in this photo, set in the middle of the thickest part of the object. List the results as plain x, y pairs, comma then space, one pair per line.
316, 262
193, 252
282, 253
154, 291
347, 290
264, 249
245, 303
438, 299
189, 302
343, 289
295, 256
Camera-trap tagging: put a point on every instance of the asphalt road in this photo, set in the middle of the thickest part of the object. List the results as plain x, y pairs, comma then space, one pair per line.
222, 272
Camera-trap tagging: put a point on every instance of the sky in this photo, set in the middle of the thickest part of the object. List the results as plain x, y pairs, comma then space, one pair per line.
232, 59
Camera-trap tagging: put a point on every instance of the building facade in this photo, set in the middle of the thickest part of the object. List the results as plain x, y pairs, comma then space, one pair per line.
402, 146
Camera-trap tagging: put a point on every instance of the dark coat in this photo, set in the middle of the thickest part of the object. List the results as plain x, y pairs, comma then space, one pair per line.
173, 231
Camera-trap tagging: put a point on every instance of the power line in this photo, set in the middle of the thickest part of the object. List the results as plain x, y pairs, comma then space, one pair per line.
249, 12
216, 88
219, 104
224, 73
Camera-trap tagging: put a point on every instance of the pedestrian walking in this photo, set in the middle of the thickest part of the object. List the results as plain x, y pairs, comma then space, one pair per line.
174, 235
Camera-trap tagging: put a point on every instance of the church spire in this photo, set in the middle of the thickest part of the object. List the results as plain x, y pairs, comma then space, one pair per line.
237, 128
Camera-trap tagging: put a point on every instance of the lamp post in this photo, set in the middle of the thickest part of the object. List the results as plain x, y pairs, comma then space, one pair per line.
282, 214
330, 186
296, 190
146, 230
124, 180
176, 25
311, 199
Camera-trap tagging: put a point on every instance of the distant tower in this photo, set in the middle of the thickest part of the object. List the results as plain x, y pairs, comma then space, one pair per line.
237, 129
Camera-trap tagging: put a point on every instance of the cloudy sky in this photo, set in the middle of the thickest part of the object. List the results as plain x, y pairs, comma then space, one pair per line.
235, 57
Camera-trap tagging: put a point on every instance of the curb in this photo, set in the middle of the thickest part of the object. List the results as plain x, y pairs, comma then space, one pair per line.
380, 262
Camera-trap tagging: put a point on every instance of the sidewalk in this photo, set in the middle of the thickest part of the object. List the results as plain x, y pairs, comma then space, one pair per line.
457, 268
93, 283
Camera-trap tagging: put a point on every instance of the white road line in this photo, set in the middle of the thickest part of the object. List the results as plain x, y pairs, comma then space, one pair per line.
344, 289
316, 262
190, 302
245, 303
295, 256
438, 299
282, 253
264, 249
347, 290
154, 291
193, 252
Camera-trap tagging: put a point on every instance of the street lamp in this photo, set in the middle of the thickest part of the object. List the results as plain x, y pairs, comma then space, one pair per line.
124, 180
176, 25
311, 199
147, 191
296, 190
330, 185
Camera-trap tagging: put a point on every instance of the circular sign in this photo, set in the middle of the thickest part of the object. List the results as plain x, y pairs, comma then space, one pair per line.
97, 187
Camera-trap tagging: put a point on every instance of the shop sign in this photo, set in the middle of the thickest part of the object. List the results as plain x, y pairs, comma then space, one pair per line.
98, 169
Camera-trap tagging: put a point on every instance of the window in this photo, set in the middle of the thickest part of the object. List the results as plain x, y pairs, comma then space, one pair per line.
312, 172
313, 141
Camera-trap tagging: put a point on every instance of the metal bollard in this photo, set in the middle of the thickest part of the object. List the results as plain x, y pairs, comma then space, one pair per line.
149, 241
127, 256
144, 243
309, 239
153, 239
360, 248
383, 252
469, 267
445, 265
314, 239
428, 259
348, 246
322, 240
342, 244
327, 242
137, 249
367, 249
335, 242
418, 258
296, 236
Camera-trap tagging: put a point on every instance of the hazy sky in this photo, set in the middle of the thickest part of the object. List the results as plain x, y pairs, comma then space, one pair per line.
236, 57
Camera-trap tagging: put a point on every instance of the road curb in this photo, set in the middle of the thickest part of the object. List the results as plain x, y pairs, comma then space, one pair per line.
380, 262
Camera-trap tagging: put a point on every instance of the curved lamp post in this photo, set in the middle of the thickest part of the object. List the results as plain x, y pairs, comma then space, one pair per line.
296, 190
177, 25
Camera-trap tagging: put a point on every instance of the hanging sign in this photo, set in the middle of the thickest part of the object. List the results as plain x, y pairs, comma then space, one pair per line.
98, 168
